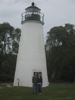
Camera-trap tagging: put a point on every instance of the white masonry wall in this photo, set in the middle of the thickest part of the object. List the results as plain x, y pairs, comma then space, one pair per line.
31, 56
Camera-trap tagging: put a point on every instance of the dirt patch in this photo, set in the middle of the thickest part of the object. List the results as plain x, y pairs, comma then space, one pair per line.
8, 85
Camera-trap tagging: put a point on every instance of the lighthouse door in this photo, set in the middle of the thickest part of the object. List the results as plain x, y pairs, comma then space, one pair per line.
37, 73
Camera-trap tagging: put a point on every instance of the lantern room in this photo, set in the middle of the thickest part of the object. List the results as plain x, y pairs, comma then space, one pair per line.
32, 13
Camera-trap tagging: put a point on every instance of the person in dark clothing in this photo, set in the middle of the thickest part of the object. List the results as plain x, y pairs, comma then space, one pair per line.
39, 84
34, 81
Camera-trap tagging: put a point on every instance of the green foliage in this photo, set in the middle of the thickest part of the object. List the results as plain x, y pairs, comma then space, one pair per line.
9, 44
8, 68
15, 47
5, 28
60, 50
9, 35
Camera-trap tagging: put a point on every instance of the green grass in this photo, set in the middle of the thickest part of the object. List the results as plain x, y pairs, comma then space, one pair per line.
56, 91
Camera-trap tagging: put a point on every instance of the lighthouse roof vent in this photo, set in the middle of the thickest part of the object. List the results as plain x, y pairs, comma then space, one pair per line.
33, 7
32, 3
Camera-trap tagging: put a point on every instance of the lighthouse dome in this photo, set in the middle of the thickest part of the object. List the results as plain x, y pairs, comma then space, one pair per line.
32, 8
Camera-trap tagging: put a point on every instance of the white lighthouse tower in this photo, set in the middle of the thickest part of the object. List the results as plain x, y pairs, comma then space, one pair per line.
31, 56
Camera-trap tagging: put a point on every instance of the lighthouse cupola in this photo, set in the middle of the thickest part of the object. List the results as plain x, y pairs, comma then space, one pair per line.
32, 13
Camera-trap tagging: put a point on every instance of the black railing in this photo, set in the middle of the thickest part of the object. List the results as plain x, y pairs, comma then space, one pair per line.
32, 16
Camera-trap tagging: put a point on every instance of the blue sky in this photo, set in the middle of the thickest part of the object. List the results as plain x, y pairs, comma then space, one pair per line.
57, 12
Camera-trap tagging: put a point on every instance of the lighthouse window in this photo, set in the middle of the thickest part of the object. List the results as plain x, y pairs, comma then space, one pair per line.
27, 13
38, 13
35, 12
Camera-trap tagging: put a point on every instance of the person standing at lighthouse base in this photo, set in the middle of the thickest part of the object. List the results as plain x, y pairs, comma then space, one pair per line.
34, 81
39, 84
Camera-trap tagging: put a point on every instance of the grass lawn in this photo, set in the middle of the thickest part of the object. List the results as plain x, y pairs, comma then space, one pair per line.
56, 91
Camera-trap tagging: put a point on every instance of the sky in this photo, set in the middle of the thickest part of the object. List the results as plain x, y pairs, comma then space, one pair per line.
56, 12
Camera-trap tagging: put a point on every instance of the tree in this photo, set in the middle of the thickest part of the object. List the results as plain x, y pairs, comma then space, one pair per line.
9, 43
60, 48
5, 31
16, 40
8, 68
9, 35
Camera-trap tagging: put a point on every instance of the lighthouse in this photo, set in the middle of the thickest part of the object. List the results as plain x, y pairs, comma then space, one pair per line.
31, 57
